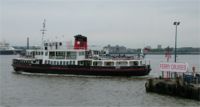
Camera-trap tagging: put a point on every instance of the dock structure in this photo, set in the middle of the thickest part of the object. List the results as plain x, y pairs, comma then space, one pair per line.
187, 86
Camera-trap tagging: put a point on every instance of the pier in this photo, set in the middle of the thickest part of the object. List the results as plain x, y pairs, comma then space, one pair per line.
186, 85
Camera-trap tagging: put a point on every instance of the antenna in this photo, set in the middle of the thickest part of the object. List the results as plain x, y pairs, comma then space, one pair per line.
43, 31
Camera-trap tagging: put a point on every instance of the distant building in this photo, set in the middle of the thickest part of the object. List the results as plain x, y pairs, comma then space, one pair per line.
129, 50
115, 49
159, 47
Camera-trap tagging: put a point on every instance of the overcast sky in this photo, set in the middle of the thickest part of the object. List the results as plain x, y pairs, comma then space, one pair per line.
132, 23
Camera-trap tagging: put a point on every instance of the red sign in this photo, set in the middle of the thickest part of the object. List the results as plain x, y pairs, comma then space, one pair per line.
174, 67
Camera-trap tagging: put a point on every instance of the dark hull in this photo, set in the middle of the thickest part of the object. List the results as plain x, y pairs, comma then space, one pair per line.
83, 70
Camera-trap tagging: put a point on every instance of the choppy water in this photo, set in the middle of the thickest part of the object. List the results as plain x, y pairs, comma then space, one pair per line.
54, 90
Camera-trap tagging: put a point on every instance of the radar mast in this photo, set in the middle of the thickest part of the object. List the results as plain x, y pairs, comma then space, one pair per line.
43, 32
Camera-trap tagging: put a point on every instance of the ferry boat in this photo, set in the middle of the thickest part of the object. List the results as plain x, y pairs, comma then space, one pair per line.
58, 57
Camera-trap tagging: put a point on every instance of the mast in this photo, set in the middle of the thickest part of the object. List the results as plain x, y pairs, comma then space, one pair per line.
43, 32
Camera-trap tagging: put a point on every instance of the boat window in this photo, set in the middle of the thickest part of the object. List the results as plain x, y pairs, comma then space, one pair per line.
98, 63
94, 63
108, 63
54, 62
80, 62
60, 62
70, 62
60, 55
135, 63
34, 53
51, 55
131, 63
122, 63
96, 52
73, 62
71, 55
86, 63
46, 53
81, 53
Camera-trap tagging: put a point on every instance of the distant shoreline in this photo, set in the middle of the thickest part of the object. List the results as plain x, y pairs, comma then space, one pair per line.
157, 53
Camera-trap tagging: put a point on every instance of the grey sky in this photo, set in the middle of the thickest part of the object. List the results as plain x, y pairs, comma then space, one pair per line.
132, 23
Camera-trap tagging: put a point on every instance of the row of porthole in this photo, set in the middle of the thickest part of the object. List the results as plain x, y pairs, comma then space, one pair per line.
60, 62
53, 44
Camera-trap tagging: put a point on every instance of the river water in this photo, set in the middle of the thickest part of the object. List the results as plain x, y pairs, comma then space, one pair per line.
57, 90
